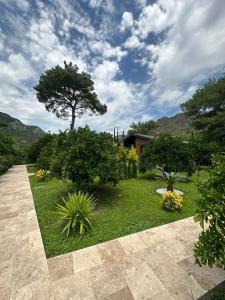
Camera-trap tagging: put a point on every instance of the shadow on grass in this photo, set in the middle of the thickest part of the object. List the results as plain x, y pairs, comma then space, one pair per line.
105, 195
148, 176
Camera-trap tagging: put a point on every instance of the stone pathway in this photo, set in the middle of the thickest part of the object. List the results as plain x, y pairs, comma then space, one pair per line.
152, 264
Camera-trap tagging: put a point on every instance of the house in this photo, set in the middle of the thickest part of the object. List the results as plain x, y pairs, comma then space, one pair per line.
138, 141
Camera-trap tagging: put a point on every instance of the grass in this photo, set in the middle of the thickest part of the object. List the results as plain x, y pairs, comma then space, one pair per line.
131, 206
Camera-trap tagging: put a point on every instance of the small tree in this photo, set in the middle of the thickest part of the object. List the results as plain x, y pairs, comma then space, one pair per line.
66, 92
132, 162
168, 152
35, 149
210, 248
83, 155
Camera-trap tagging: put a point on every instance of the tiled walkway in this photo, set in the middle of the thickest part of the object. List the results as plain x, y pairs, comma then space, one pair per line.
152, 264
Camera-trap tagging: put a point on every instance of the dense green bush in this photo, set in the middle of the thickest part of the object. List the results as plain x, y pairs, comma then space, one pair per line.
35, 149
6, 161
7, 153
75, 214
82, 155
170, 153
44, 158
210, 248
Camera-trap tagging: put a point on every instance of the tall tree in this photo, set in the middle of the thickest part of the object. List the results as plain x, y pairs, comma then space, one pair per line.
143, 127
68, 93
207, 108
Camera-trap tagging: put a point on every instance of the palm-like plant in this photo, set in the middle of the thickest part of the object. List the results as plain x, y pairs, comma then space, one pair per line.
170, 178
75, 215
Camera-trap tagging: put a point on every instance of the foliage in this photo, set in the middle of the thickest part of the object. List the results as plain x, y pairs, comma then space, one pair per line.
75, 215
122, 155
207, 108
41, 175
66, 92
7, 153
132, 158
172, 201
130, 206
83, 155
128, 160
169, 152
6, 161
210, 248
146, 127
170, 179
6, 145
44, 158
35, 149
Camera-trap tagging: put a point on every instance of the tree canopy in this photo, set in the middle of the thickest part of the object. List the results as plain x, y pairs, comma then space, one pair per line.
82, 155
68, 93
207, 108
168, 152
143, 127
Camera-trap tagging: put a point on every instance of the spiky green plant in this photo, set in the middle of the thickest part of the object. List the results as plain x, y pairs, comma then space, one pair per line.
76, 212
170, 178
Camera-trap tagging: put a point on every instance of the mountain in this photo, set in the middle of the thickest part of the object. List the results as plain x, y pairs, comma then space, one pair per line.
179, 124
24, 135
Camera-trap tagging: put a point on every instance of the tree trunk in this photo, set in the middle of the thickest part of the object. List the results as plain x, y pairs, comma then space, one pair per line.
170, 187
73, 120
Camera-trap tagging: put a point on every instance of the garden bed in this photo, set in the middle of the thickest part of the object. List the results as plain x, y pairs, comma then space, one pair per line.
131, 206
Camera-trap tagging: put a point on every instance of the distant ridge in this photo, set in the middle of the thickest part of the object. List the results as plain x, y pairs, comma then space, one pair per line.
176, 124
24, 135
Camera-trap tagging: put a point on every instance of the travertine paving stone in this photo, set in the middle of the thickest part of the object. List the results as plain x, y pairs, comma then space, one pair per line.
23, 267
153, 264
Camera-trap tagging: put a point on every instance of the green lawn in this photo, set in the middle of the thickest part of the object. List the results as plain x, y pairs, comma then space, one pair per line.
131, 206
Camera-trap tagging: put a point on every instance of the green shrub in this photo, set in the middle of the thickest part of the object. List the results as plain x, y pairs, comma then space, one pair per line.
45, 156
210, 248
35, 149
75, 215
82, 155
172, 201
6, 161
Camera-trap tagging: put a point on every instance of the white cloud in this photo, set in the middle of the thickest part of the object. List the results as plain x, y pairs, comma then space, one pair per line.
193, 46
133, 42
23, 4
127, 21
106, 50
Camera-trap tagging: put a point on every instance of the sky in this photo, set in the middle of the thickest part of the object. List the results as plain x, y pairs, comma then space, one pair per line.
145, 57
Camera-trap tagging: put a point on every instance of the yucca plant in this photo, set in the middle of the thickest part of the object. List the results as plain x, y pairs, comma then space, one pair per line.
170, 178
76, 212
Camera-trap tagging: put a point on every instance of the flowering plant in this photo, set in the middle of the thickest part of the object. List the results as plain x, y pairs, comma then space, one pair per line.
41, 175
172, 201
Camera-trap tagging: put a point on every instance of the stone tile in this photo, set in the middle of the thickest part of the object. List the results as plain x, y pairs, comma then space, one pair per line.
28, 266
131, 243
123, 294
113, 252
106, 280
60, 266
42, 289
5, 279
74, 287
174, 279
86, 258
207, 277
143, 282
